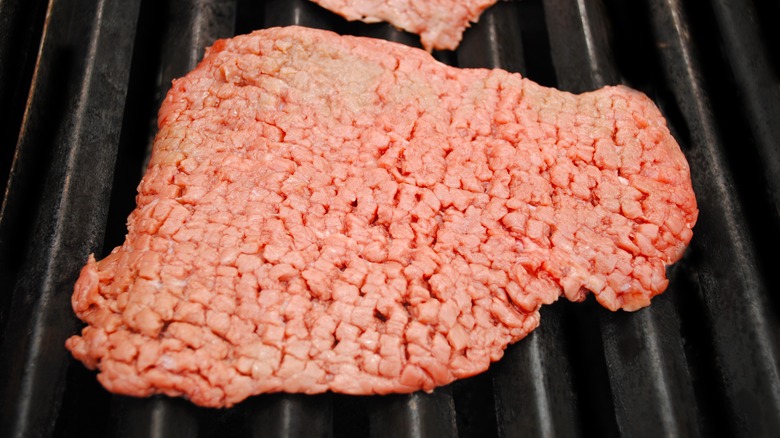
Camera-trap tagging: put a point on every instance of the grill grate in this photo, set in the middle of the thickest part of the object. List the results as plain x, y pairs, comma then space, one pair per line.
701, 361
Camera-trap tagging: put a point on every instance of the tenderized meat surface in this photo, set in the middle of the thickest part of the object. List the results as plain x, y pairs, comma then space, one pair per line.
347, 214
440, 23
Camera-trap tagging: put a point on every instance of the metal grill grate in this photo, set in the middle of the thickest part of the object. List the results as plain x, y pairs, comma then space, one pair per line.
80, 84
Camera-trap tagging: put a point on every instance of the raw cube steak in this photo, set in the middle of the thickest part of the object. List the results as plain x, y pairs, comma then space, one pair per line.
327, 213
440, 23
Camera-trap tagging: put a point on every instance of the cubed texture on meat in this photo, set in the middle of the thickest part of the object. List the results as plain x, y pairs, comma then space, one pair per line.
327, 213
440, 23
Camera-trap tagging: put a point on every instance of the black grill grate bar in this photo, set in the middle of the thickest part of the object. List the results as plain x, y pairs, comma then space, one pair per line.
650, 384
385, 32
288, 415
211, 20
188, 27
75, 127
734, 296
20, 30
417, 415
155, 417
298, 13
580, 44
295, 415
496, 41
532, 384
758, 85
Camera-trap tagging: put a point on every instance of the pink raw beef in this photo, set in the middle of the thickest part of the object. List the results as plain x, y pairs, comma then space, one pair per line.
440, 23
327, 213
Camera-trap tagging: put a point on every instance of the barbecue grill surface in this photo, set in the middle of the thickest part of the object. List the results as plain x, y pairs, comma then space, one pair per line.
80, 85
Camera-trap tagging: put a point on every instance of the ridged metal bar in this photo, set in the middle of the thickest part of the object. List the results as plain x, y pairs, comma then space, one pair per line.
650, 384
495, 41
387, 32
60, 183
298, 13
532, 384
157, 417
582, 58
289, 415
579, 41
193, 25
189, 27
734, 296
20, 31
758, 85
416, 415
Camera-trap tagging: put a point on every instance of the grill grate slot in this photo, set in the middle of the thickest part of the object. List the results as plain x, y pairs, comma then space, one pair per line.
290, 415
60, 184
651, 388
758, 85
414, 415
20, 28
532, 384
701, 360
734, 294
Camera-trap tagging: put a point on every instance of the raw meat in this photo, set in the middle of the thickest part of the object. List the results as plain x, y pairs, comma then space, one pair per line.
440, 23
347, 214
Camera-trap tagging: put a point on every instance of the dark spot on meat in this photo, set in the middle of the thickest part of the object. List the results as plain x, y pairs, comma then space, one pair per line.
164, 328
378, 315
